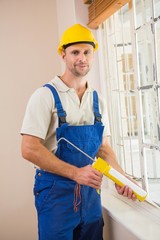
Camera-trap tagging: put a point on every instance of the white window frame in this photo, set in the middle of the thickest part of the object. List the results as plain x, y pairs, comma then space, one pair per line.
116, 125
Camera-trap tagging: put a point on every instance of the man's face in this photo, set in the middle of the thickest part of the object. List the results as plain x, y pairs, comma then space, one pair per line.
78, 59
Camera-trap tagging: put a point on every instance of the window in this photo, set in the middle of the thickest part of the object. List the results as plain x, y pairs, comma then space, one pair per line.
131, 38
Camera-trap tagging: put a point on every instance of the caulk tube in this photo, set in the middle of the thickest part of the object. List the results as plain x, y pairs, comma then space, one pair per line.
118, 178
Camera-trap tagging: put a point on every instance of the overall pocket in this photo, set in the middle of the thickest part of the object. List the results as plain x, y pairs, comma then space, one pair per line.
42, 190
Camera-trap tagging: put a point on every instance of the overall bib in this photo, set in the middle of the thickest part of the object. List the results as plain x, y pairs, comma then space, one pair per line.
67, 210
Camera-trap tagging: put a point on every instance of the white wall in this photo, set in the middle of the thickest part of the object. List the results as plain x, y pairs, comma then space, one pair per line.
29, 34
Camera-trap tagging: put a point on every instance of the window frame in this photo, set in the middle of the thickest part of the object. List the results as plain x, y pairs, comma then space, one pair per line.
116, 126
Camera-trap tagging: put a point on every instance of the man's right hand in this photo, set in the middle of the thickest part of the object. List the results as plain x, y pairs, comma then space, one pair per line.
89, 176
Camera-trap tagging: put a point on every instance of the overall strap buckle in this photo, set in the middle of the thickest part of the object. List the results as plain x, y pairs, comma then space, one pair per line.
97, 115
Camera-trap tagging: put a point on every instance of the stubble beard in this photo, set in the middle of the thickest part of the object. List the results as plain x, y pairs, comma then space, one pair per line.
78, 73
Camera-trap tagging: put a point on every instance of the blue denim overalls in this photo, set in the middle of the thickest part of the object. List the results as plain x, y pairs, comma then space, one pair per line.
67, 210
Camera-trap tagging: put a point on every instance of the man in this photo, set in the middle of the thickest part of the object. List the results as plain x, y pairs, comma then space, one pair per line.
65, 119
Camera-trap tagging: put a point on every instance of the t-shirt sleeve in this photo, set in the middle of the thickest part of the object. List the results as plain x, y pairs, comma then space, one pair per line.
38, 113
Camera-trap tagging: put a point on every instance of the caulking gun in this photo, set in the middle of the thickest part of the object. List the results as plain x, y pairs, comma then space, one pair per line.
102, 166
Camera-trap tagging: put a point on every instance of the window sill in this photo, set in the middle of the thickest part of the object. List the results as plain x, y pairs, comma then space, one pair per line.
139, 218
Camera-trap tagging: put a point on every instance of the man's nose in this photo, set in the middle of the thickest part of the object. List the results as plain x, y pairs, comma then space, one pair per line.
82, 57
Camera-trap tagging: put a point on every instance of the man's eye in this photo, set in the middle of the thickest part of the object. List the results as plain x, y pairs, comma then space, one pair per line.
75, 52
87, 52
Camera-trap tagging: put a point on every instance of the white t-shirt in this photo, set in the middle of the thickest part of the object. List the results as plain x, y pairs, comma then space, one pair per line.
41, 119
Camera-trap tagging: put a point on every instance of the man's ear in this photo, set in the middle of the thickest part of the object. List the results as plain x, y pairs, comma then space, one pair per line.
63, 54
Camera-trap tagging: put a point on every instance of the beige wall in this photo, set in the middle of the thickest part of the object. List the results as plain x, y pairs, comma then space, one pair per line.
27, 60
29, 33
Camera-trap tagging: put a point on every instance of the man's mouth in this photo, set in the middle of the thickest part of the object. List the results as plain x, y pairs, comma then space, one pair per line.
81, 65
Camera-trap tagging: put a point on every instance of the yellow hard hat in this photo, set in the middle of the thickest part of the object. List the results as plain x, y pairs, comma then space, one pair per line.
77, 34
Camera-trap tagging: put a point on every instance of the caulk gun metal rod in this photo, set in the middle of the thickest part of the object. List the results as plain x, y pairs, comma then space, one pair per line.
75, 147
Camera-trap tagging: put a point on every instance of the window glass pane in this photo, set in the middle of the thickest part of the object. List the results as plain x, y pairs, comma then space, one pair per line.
122, 83
110, 25
148, 10
157, 38
145, 56
139, 13
149, 111
128, 114
111, 52
153, 166
159, 107
143, 11
156, 8
131, 150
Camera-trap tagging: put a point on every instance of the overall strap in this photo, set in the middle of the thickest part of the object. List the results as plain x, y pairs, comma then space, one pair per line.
60, 111
97, 115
